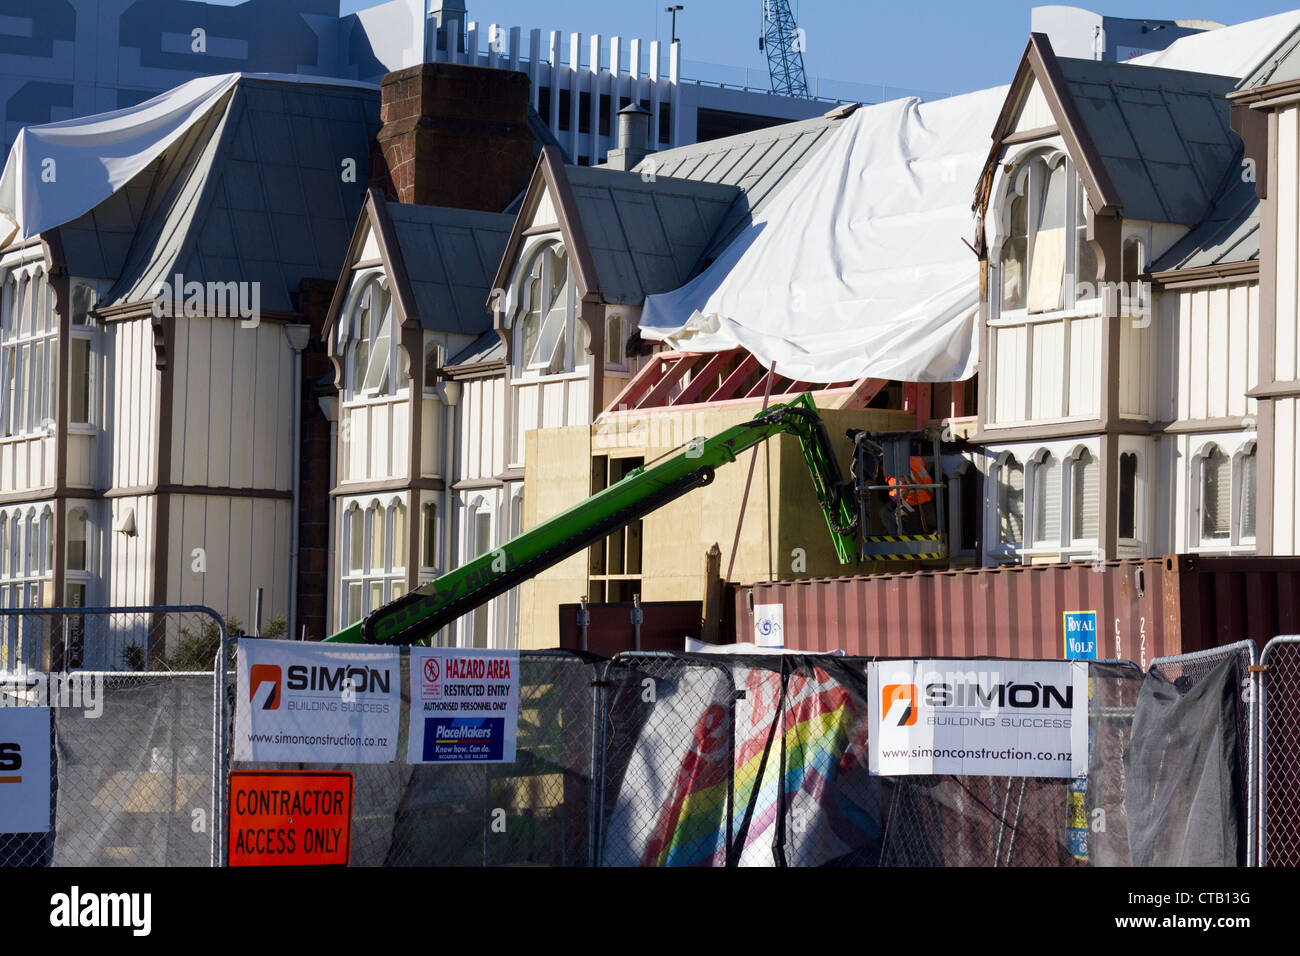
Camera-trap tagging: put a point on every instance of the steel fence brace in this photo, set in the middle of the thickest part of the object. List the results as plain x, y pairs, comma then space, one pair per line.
1249, 692
600, 716
1261, 673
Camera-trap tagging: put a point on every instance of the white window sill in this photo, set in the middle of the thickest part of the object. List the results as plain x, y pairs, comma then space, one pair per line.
1211, 549
1087, 309
366, 401
532, 378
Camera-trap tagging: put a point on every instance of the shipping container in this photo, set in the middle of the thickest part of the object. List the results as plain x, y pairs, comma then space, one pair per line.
1143, 608
665, 625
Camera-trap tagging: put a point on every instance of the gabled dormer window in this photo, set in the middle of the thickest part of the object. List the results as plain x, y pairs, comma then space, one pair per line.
373, 348
548, 339
1046, 263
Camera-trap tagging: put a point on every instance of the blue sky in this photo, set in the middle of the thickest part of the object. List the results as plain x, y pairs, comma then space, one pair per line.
949, 46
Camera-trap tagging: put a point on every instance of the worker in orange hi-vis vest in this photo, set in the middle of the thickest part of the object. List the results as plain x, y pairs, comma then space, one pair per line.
913, 498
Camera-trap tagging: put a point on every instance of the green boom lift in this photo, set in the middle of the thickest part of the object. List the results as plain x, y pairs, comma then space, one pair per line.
417, 616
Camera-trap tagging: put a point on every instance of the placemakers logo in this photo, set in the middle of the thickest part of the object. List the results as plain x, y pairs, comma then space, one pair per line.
328, 688
76, 909
968, 699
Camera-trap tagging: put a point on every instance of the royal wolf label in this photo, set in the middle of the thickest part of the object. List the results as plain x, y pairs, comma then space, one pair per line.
317, 703
464, 705
979, 718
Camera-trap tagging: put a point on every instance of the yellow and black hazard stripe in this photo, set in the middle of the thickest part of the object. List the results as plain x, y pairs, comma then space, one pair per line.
904, 547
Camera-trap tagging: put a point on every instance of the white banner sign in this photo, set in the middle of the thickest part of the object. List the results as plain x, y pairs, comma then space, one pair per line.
979, 718
24, 769
317, 703
464, 705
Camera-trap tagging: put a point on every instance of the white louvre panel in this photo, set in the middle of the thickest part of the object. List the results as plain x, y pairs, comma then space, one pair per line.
1087, 506
1012, 506
1216, 497
1047, 502
1247, 529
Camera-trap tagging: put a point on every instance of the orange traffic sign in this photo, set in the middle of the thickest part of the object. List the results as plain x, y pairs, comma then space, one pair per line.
279, 818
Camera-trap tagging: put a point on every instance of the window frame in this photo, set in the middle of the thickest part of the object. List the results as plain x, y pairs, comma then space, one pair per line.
375, 511
1234, 449
567, 353
382, 327
29, 343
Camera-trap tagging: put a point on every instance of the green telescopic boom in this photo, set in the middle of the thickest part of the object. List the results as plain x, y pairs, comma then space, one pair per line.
416, 617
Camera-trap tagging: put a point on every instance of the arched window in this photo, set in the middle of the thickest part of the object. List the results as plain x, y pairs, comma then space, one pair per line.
1086, 510
373, 366
1011, 501
376, 521
1216, 495
1045, 254
1246, 495
4, 545
545, 334
47, 540
374, 542
397, 520
356, 539
1047, 501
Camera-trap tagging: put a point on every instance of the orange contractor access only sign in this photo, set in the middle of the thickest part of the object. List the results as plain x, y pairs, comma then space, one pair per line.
289, 819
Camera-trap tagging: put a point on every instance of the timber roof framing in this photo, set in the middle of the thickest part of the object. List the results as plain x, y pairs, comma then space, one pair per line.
676, 380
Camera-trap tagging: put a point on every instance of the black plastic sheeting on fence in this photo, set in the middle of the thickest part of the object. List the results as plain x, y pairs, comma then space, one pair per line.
1184, 772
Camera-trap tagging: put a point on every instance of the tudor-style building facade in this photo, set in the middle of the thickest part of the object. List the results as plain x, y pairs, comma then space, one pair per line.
1118, 328
152, 445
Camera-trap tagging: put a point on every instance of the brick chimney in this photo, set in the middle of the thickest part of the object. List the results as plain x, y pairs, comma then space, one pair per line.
455, 136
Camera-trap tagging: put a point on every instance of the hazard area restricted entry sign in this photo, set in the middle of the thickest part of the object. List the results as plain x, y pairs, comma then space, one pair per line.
289, 819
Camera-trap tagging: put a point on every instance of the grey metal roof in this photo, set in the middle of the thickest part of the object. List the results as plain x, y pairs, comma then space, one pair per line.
1229, 234
488, 347
264, 199
96, 245
1162, 135
645, 237
757, 163
450, 257
1280, 66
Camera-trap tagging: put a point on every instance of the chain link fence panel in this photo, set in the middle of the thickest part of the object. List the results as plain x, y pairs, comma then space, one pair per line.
1279, 728
135, 750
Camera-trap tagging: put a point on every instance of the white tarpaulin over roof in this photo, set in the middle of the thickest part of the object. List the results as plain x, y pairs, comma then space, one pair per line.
857, 268
1228, 51
59, 171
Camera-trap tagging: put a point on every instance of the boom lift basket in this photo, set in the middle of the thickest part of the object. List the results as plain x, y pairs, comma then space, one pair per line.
902, 506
